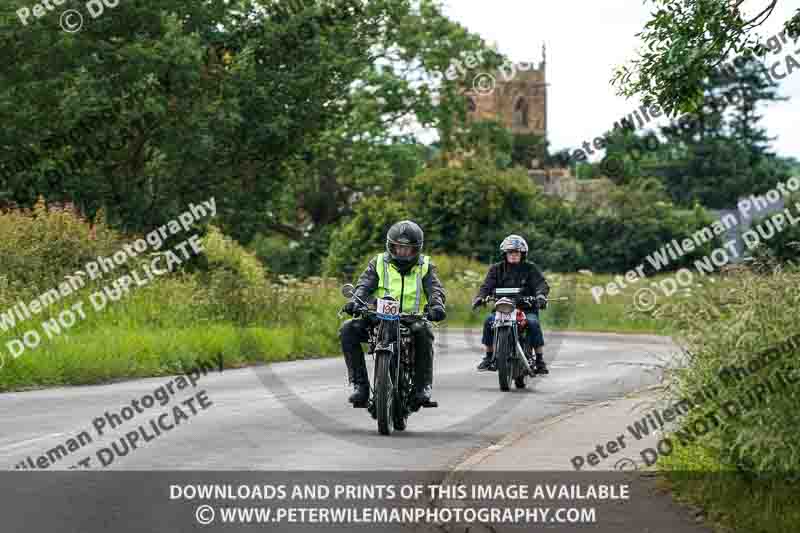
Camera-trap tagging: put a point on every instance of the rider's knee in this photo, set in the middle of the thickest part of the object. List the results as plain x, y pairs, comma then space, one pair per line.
346, 328
422, 330
352, 329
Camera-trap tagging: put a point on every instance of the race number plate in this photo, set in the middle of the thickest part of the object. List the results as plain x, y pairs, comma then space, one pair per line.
388, 307
503, 316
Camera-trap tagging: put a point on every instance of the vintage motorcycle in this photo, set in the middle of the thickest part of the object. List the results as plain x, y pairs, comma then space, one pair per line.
392, 397
511, 347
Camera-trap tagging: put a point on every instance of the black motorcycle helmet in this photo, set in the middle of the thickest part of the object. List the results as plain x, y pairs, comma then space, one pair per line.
407, 233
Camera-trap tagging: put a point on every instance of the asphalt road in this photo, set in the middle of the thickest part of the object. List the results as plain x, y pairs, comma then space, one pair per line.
294, 415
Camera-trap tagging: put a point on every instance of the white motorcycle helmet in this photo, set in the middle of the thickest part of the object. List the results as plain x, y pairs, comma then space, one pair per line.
514, 242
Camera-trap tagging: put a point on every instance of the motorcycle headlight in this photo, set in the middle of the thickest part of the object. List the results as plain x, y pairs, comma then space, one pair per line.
504, 306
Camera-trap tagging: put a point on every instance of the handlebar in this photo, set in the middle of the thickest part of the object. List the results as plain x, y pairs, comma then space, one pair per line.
513, 297
369, 313
517, 299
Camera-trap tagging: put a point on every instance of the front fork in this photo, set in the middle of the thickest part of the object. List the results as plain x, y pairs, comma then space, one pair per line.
388, 343
519, 351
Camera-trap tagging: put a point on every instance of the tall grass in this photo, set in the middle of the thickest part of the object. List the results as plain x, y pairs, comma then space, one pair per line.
758, 448
231, 308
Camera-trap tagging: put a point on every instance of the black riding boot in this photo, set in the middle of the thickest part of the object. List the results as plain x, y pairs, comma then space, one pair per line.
487, 363
359, 378
352, 333
540, 366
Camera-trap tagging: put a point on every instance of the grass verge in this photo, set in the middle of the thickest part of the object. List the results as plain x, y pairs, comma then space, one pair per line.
731, 501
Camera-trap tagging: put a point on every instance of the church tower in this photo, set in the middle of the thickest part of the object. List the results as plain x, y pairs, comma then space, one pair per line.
515, 95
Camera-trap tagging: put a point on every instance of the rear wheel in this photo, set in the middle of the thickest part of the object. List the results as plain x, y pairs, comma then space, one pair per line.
384, 392
503, 357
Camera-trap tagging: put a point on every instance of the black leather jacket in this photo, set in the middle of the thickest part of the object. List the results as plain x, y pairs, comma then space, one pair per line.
368, 283
526, 276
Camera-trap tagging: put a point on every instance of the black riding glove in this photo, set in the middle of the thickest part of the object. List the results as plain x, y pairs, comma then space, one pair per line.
526, 303
436, 314
541, 301
350, 308
477, 302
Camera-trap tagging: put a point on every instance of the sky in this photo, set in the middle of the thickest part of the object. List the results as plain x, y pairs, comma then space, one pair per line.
586, 40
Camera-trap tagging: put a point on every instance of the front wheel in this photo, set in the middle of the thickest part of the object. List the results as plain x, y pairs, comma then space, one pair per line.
503, 352
384, 392
401, 400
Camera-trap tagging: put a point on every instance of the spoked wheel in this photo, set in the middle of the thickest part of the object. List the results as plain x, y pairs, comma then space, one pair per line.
400, 411
503, 353
384, 392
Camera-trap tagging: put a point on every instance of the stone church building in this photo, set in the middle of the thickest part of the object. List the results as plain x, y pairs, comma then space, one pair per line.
519, 102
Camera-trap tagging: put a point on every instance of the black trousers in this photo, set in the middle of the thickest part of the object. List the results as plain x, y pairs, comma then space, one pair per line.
356, 331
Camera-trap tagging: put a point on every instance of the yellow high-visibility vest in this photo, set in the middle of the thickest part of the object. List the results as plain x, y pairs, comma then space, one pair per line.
406, 289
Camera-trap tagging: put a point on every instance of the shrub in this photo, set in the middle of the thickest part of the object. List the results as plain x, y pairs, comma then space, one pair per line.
734, 328
784, 246
39, 246
235, 278
468, 211
364, 234
303, 258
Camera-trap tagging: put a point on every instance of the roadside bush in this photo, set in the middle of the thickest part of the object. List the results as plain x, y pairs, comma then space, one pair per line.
235, 279
468, 211
364, 234
303, 258
736, 328
39, 246
636, 224
784, 246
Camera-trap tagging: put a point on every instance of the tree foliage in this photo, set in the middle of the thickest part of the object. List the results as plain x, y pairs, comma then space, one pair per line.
468, 211
283, 111
684, 41
713, 155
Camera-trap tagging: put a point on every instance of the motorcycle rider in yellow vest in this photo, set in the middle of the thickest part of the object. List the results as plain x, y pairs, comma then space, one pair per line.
410, 277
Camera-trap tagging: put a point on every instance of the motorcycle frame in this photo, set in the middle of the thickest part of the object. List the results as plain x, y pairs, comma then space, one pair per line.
519, 352
380, 342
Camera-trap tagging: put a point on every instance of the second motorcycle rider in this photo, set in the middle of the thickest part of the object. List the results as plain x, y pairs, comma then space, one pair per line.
515, 272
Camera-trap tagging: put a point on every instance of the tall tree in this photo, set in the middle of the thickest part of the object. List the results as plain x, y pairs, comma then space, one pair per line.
684, 41
280, 110
723, 148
